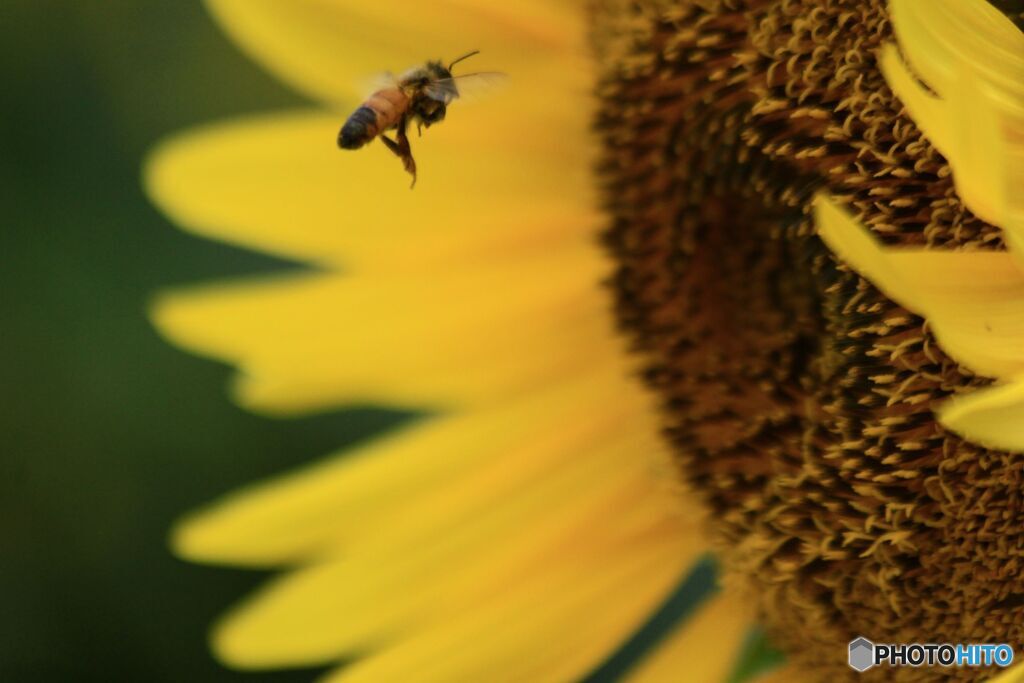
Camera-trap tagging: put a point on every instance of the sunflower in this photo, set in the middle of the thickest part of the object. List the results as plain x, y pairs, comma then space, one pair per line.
533, 523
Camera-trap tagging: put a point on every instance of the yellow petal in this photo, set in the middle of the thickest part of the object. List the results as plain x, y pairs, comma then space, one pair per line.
789, 673
566, 621
348, 605
974, 301
972, 56
929, 112
943, 39
327, 47
992, 417
427, 476
413, 525
278, 183
460, 336
703, 650
1013, 675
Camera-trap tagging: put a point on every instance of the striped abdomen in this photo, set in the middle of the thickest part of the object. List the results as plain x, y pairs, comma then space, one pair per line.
381, 111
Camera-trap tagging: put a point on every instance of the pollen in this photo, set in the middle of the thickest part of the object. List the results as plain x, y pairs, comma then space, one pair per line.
798, 398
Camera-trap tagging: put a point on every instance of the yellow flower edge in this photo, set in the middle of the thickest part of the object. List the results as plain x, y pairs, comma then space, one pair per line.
1013, 675
327, 49
538, 512
972, 57
974, 305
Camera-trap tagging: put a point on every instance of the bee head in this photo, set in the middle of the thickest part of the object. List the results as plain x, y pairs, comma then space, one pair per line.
441, 78
441, 75
438, 71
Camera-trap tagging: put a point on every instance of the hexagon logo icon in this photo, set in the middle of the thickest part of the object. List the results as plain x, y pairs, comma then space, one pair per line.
862, 654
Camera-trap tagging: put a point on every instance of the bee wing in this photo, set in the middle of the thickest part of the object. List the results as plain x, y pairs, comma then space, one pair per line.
377, 82
468, 86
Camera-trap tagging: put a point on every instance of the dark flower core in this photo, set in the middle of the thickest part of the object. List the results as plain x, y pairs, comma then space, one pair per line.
799, 398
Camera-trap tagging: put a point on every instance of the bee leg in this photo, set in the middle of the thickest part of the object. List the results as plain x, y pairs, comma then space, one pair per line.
392, 145
400, 148
405, 152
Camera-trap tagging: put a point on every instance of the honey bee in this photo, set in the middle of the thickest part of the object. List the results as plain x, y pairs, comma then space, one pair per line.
421, 95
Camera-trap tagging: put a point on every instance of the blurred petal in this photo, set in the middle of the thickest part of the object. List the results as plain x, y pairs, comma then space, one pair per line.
566, 619
355, 603
278, 183
719, 627
1013, 675
992, 417
460, 336
789, 673
972, 56
428, 477
974, 301
327, 47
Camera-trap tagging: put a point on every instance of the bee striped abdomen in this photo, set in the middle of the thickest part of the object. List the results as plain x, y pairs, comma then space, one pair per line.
360, 128
380, 112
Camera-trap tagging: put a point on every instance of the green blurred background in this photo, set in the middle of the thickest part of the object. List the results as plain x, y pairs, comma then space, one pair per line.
109, 433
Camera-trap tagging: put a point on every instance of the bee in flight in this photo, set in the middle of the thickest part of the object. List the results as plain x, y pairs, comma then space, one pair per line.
421, 96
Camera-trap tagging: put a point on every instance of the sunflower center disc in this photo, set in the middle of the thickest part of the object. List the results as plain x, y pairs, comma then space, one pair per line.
799, 399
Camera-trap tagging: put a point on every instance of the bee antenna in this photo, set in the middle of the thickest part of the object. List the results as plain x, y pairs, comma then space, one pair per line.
465, 56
